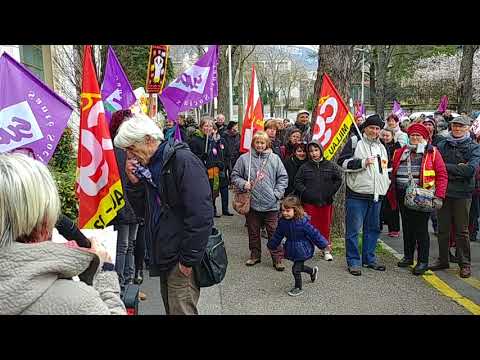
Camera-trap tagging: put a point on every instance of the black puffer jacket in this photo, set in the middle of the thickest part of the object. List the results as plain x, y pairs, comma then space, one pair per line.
317, 182
461, 178
232, 143
292, 165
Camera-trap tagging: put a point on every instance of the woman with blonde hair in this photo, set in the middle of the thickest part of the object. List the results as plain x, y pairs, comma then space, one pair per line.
36, 274
261, 172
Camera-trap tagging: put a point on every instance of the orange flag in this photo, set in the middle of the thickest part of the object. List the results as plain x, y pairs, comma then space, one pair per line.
253, 120
99, 189
332, 119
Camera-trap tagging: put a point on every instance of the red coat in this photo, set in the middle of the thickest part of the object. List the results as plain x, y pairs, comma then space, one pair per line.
433, 173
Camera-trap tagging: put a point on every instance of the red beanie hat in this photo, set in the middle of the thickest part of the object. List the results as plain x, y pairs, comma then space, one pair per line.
418, 129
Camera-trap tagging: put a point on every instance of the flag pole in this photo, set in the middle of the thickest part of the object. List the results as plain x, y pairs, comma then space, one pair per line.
250, 154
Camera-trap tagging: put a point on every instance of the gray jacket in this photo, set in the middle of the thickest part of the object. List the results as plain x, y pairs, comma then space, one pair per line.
269, 190
35, 280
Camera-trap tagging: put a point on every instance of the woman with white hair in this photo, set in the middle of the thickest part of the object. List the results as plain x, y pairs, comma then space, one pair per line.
180, 208
35, 274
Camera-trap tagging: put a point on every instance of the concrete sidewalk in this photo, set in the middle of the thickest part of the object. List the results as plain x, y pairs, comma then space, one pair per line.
469, 288
262, 290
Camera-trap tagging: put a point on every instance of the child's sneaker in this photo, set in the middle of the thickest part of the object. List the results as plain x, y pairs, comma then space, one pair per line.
328, 256
314, 274
295, 292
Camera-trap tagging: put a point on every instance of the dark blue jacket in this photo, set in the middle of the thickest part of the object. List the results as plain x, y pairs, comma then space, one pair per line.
461, 178
301, 238
180, 209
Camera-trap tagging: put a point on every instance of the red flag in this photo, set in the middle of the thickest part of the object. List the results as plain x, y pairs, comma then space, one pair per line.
332, 119
253, 120
99, 189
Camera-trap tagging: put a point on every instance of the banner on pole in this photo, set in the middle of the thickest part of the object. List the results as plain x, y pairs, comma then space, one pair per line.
99, 189
117, 93
157, 68
195, 87
332, 119
32, 116
253, 120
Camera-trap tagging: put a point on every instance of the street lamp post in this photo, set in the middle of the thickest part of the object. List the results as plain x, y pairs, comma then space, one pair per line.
363, 76
363, 50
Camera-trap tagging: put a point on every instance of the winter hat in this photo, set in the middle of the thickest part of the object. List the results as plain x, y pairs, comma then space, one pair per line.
303, 112
464, 120
418, 128
375, 120
430, 120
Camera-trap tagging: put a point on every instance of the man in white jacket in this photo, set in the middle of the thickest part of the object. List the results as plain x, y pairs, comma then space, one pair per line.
365, 162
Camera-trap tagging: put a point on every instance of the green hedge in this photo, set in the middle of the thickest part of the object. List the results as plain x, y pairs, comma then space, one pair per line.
63, 168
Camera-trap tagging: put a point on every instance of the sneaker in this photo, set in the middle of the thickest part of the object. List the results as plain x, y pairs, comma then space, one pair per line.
252, 262
394, 234
295, 292
313, 277
328, 256
142, 296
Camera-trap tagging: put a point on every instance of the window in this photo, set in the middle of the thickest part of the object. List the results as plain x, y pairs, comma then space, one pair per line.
31, 56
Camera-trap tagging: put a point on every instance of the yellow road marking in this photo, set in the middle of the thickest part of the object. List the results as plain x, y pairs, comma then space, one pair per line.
446, 290
470, 281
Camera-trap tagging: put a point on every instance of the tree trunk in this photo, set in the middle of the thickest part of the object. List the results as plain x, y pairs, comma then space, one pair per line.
222, 99
373, 90
381, 77
464, 86
337, 62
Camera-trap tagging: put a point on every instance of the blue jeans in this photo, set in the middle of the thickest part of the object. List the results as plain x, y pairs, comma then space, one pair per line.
358, 214
125, 264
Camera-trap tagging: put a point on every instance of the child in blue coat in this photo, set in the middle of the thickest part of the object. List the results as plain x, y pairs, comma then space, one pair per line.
301, 238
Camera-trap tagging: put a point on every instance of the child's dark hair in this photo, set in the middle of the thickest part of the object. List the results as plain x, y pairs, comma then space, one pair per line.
293, 202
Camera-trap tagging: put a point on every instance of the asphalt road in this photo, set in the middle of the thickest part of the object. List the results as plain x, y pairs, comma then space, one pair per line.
262, 290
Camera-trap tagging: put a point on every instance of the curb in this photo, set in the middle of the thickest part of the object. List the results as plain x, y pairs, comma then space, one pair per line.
442, 287
390, 250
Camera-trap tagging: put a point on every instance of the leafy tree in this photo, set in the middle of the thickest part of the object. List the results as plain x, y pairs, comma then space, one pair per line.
63, 168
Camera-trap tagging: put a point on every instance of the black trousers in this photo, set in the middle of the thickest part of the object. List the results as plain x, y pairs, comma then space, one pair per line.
415, 231
139, 252
473, 216
297, 269
389, 216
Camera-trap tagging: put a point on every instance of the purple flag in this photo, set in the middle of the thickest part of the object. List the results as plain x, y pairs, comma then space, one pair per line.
178, 135
196, 86
117, 93
442, 107
397, 109
32, 116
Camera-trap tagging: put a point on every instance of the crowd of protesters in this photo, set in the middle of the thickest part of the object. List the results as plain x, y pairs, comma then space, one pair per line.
292, 189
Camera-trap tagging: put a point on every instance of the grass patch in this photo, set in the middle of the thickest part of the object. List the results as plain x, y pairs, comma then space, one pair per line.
338, 246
